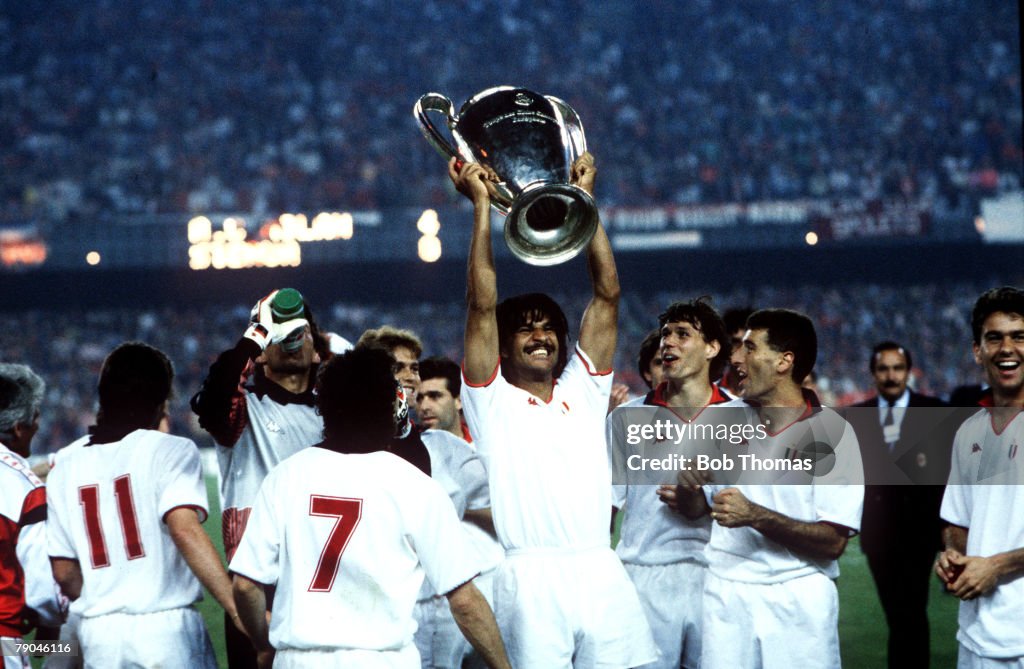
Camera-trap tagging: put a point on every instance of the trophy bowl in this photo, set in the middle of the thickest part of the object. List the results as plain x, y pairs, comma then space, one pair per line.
530, 141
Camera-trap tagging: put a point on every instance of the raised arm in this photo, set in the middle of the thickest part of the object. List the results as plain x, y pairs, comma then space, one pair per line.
599, 328
481, 344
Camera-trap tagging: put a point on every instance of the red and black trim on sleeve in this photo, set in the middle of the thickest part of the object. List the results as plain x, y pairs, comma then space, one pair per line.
33, 510
220, 404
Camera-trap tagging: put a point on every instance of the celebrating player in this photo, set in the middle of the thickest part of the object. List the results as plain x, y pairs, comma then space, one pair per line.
453, 464
662, 551
342, 529
773, 551
124, 530
561, 596
257, 404
983, 558
440, 411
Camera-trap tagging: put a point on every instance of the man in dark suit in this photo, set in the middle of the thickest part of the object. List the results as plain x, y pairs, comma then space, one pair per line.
905, 440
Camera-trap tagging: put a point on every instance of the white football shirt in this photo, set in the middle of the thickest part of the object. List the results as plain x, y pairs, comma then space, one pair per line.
547, 462
343, 536
651, 533
460, 471
22, 501
743, 553
107, 504
985, 494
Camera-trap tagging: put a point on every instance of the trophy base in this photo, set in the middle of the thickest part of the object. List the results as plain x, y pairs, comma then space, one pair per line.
550, 223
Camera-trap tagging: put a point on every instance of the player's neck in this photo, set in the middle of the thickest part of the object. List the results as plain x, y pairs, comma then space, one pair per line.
539, 388
692, 393
294, 383
1005, 407
782, 405
1008, 400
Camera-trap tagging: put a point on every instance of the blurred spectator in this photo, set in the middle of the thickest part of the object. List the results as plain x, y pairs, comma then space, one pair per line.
277, 106
66, 347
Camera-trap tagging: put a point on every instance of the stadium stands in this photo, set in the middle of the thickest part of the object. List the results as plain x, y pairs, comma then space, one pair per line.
67, 347
112, 108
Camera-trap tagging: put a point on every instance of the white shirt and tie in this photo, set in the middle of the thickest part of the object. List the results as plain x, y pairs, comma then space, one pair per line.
890, 416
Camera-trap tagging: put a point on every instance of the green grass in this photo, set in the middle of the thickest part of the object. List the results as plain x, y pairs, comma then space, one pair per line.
213, 614
862, 628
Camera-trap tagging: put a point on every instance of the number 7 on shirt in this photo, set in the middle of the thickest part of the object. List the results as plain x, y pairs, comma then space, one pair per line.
347, 512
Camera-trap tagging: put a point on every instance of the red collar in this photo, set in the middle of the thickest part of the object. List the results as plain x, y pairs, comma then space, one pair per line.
657, 398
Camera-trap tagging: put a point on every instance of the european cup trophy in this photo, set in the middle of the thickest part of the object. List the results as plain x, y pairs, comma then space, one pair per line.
530, 141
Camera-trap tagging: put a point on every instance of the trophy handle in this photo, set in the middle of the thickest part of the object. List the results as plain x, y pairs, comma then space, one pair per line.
573, 127
435, 102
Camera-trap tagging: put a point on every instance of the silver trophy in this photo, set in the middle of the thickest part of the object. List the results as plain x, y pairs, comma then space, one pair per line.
530, 141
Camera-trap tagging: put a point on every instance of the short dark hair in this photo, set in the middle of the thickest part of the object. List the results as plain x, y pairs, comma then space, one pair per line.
790, 331
438, 367
135, 382
700, 314
356, 397
736, 318
890, 346
1008, 299
520, 310
649, 348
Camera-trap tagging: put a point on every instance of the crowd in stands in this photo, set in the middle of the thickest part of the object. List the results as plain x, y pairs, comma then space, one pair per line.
67, 347
110, 108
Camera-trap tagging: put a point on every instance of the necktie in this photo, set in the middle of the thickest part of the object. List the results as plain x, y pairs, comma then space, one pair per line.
888, 423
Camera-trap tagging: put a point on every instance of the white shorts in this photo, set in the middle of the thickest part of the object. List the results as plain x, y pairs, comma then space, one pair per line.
168, 639
771, 626
967, 659
559, 609
291, 658
14, 661
671, 595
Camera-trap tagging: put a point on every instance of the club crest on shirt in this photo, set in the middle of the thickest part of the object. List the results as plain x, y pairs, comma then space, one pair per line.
1013, 451
975, 448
